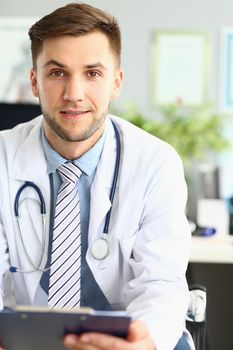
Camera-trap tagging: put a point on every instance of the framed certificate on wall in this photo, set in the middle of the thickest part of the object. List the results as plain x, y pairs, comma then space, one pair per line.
180, 67
15, 60
226, 71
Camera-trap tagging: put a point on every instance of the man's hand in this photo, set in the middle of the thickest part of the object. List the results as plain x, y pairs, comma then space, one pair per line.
138, 339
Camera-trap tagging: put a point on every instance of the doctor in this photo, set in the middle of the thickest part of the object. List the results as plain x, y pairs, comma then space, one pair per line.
141, 262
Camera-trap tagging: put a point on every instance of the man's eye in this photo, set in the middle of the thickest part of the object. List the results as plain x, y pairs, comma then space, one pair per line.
57, 74
93, 74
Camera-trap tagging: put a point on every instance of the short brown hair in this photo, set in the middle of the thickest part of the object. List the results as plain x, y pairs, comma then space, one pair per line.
75, 19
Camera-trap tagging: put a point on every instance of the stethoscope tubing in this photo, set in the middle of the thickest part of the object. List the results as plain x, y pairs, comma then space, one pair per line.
35, 266
29, 184
115, 177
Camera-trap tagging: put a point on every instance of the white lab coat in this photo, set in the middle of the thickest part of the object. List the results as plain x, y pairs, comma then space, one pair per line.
149, 234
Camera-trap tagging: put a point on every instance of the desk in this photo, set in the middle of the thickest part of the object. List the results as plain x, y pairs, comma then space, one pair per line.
217, 248
214, 249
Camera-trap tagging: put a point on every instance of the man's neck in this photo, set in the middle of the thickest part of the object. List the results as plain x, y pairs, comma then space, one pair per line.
73, 150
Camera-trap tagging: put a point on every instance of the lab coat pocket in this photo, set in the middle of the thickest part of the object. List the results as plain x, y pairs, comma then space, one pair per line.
126, 246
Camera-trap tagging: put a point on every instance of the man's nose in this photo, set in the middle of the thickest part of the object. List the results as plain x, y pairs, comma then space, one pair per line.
74, 90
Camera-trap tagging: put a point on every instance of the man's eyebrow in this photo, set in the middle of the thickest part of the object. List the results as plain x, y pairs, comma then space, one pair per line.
95, 65
53, 63
61, 65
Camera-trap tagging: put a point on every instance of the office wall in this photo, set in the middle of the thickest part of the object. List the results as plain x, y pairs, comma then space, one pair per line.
138, 19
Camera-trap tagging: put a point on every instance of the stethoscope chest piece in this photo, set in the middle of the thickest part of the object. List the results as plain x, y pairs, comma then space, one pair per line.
100, 249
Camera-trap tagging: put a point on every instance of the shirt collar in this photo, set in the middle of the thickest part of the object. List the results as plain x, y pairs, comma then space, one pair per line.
87, 162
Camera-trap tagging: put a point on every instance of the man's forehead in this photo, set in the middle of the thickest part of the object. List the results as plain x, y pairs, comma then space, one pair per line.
90, 51
60, 64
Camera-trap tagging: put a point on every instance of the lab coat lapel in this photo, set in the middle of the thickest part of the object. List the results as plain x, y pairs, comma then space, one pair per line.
100, 190
31, 152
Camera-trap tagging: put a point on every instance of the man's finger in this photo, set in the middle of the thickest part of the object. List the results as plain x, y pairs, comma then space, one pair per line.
72, 342
137, 331
105, 342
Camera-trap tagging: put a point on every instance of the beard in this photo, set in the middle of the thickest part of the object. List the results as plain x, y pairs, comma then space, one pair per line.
65, 135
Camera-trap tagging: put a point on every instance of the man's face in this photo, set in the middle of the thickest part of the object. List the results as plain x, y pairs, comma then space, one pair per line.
75, 79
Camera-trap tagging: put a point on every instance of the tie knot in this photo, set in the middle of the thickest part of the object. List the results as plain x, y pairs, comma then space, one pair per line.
69, 172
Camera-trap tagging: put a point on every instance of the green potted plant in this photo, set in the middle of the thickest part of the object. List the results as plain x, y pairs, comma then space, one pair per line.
193, 132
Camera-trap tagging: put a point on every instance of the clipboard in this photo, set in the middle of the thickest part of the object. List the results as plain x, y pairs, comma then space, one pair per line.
29, 328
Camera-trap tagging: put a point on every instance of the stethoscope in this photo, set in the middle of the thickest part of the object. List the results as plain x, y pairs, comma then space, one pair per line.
100, 248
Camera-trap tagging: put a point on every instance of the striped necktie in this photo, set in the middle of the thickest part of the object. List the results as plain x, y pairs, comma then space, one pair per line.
65, 269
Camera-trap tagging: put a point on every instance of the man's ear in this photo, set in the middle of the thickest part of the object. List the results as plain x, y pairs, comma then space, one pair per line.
34, 84
118, 80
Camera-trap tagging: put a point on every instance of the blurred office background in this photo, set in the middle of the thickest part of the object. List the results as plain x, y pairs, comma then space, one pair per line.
210, 177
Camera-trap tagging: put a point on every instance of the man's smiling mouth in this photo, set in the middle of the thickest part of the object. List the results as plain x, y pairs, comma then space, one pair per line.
74, 113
